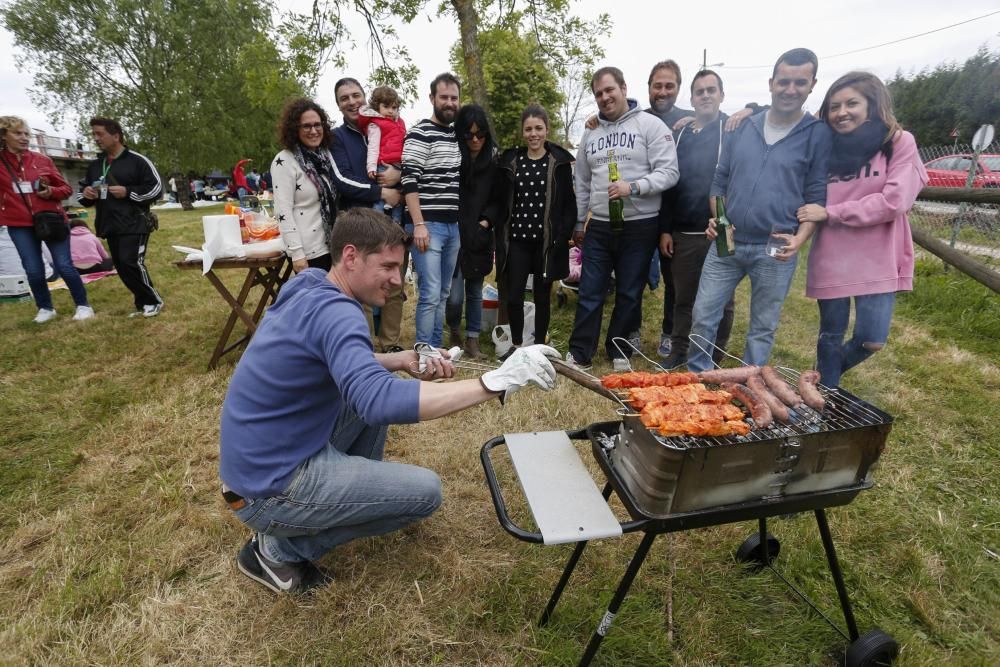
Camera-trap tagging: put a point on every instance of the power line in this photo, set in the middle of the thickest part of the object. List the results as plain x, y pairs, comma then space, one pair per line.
878, 46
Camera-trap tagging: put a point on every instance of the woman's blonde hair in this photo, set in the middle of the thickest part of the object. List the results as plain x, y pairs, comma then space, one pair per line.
10, 123
875, 92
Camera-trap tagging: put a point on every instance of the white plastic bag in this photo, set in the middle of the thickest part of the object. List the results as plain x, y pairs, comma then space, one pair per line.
222, 239
501, 333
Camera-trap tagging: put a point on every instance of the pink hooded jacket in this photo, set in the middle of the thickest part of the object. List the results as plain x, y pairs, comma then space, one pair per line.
865, 246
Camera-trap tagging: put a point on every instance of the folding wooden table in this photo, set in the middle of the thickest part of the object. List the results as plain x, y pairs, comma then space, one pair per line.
270, 273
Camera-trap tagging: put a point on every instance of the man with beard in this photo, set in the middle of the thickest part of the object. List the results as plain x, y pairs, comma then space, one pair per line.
431, 162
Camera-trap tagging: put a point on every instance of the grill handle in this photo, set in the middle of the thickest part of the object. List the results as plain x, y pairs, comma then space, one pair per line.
497, 495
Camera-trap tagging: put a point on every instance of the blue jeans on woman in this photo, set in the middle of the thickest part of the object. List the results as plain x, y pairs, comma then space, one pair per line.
345, 491
29, 249
770, 279
872, 317
435, 267
471, 292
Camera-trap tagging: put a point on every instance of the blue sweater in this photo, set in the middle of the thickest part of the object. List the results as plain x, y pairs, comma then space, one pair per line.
312, 353
767, 184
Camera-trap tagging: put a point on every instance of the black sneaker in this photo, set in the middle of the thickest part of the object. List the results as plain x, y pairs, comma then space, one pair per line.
279, 577
506, 355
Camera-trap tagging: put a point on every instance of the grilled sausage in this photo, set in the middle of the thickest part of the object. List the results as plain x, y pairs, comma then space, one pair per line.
779, 387
761, 414
720, 375
778, 409
808, 382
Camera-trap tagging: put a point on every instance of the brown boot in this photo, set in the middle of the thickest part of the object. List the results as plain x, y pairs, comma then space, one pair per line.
454, 337
472, 349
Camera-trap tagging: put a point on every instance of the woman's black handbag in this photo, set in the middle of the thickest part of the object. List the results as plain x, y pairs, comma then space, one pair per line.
49, 226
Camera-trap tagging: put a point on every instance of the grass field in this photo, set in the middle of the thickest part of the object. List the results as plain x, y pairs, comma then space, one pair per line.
116, 547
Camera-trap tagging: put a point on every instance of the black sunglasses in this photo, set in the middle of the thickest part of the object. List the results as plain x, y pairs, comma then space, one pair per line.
469, 136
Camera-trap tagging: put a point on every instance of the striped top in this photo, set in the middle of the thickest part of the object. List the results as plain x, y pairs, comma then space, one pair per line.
431, 162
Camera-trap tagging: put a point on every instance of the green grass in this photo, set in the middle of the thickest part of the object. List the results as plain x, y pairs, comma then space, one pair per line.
117, 549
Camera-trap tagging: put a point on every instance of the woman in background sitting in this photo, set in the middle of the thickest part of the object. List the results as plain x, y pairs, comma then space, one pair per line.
89, 255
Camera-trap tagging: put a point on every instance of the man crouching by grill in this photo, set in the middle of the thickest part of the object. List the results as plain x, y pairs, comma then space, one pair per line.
306, 414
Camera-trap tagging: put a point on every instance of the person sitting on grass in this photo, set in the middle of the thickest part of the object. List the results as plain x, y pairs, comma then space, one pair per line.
305, 417
89, 255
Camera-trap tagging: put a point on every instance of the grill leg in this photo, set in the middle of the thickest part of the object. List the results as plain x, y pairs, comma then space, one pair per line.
764, 550
616, 601
838, 577
567, 571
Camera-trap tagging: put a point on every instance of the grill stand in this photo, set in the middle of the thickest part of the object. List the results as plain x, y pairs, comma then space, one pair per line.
872, 648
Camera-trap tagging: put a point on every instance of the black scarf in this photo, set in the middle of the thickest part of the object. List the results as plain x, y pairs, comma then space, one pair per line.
853, 150
318, 166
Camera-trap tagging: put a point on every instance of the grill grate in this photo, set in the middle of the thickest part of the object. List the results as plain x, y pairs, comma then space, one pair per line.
843, 412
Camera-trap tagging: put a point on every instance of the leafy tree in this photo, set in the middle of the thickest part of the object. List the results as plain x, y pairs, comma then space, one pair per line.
196, 85
517, 72
933, 102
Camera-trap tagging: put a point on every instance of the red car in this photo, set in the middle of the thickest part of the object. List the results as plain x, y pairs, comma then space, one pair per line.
952, 171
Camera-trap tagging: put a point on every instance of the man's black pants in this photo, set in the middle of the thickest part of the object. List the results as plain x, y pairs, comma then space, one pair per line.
128, 251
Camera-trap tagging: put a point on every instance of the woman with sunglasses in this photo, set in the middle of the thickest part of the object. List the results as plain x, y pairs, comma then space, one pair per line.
862, 246
305, 198
541, 209
480, 202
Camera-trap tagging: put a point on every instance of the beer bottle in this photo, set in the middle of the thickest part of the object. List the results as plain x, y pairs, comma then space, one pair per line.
616, 207
725, 244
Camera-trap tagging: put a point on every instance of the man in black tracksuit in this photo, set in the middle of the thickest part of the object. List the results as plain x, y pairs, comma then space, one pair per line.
123, 184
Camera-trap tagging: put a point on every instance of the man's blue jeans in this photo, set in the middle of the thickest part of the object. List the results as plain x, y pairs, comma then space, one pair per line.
770, 280
345, 491
627, 253
435, 267
29, 249
872, 317
471, 292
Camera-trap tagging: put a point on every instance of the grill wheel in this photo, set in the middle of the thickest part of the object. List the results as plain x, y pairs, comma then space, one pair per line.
871, 649
752, 553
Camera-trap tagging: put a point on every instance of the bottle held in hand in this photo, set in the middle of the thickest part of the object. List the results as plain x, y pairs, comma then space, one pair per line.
616, 207
725, 244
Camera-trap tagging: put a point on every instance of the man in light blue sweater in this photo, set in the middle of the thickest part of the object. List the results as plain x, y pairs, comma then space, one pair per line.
306, 414
644, 151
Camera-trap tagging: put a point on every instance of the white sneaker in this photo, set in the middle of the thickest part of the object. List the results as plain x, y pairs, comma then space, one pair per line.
572, 363
152, 311
83, 313
44, 315
621, 365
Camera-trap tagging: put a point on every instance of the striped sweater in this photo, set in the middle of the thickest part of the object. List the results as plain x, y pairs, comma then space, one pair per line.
431, 162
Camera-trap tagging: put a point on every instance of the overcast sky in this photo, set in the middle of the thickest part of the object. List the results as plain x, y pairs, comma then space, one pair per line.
746, 37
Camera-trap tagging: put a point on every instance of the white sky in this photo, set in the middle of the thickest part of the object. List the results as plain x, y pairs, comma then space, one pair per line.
740, 35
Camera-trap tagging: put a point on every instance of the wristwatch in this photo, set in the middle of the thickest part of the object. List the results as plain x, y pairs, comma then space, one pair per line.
633, 189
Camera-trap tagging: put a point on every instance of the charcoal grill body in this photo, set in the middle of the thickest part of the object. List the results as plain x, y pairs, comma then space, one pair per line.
659, 486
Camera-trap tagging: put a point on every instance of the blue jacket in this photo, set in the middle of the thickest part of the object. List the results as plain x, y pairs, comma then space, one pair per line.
767, 184
350, 152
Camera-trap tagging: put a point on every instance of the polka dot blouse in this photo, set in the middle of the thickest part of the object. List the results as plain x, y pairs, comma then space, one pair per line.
529, 198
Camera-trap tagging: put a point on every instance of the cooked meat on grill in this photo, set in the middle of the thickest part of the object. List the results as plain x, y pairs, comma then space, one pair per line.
808, 382
759, 410
779, 387
652, 418
778, 409
720, 375
661, 412
639, 397
644, 379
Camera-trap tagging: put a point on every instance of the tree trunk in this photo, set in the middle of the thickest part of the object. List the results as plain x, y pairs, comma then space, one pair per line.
468, 27
184, 192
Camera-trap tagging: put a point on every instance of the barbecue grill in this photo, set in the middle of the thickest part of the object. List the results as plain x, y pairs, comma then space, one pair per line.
669, 484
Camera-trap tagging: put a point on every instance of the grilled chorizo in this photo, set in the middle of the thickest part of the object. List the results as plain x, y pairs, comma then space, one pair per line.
808, 382
720, 375
779, 387
778, 409
759, 410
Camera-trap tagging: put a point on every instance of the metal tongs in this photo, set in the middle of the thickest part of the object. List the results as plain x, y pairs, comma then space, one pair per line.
427, 351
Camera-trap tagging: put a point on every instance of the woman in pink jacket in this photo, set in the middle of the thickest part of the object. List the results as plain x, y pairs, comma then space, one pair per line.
862, 247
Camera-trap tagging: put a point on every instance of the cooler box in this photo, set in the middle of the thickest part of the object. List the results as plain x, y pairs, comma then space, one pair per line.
14, 286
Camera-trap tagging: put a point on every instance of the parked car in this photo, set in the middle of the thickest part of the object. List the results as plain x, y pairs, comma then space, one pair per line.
952, 171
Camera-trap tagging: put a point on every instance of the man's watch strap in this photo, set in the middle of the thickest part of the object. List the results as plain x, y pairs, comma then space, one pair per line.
633, 188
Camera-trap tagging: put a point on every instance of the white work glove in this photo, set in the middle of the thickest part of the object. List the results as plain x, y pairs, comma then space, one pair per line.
528, 365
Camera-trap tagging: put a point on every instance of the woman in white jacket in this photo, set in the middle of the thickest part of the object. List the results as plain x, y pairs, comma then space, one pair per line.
305, 197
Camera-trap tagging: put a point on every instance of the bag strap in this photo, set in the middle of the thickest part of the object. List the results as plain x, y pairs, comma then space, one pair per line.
13, 180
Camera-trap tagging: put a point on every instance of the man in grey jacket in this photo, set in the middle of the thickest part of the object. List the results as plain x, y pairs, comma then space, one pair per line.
643, 149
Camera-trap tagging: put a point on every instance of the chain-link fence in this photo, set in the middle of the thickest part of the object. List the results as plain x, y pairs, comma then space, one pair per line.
972, 229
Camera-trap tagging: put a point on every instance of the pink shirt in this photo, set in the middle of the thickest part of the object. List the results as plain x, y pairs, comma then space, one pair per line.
865, 246
86, 249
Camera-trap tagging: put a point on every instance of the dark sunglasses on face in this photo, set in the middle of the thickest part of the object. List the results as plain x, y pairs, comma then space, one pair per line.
309, 127
481, 135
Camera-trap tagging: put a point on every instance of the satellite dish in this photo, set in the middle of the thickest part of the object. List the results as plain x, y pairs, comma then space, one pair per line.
982, 138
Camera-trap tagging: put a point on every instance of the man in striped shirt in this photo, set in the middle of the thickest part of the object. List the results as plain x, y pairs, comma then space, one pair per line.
431, 162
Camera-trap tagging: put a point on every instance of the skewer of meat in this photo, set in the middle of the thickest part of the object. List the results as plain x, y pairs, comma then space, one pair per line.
759, 410
808, 382
720, 375
779, 387
778, 409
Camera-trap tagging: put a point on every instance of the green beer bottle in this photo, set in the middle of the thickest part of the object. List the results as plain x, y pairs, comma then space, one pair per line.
616, 207
725, 244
